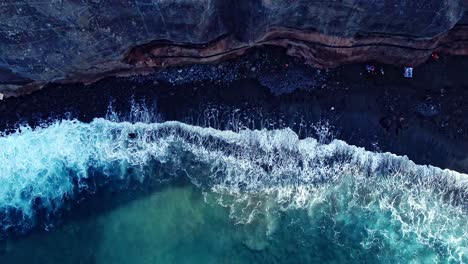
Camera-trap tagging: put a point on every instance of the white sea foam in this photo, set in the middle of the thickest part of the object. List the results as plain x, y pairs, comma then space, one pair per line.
245, 166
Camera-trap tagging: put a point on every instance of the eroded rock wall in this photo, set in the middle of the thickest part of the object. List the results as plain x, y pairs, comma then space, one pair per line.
60, 39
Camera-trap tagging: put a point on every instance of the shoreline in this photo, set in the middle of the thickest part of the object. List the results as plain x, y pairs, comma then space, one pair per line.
313, 48
424, 118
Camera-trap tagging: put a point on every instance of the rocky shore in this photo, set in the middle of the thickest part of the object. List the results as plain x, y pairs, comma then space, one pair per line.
86, 41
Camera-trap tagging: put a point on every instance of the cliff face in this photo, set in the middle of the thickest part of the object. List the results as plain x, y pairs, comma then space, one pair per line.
346, 18
44, 41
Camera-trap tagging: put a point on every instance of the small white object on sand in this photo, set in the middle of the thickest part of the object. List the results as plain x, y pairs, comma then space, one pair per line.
408, 72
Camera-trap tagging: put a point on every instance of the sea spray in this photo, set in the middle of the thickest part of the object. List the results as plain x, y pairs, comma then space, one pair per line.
255, 173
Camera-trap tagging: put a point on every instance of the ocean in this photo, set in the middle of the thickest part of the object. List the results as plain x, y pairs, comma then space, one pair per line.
226, 164
114, 191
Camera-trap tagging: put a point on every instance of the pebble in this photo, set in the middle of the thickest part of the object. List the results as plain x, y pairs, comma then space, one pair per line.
427, 109
289, 78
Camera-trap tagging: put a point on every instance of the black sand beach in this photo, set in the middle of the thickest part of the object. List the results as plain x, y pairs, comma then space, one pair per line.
425, 117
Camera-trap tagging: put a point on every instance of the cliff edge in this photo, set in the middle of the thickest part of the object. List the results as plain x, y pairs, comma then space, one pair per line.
82, 40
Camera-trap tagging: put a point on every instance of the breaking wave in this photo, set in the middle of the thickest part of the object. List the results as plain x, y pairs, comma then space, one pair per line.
252, 172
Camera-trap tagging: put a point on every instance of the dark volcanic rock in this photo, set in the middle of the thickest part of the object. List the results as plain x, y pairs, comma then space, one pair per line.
50, 40
346, 18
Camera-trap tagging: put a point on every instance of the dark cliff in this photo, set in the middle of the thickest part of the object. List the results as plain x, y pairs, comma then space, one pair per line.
71, 39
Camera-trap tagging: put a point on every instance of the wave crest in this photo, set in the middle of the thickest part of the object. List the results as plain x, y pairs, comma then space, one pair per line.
40, 168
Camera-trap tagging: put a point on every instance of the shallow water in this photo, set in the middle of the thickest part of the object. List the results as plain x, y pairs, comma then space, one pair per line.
262, 196
180, 225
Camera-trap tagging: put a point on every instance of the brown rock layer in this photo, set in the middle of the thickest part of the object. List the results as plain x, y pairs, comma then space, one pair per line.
71, 40
318, 49
54, 40
314, 48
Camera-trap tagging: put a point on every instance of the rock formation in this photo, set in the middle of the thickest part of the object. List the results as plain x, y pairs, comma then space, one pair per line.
82, 40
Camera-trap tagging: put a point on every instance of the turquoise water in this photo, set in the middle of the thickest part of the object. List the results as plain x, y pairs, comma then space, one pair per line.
222, 197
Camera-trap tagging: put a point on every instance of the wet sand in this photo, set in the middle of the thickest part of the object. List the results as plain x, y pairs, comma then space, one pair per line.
425, 118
